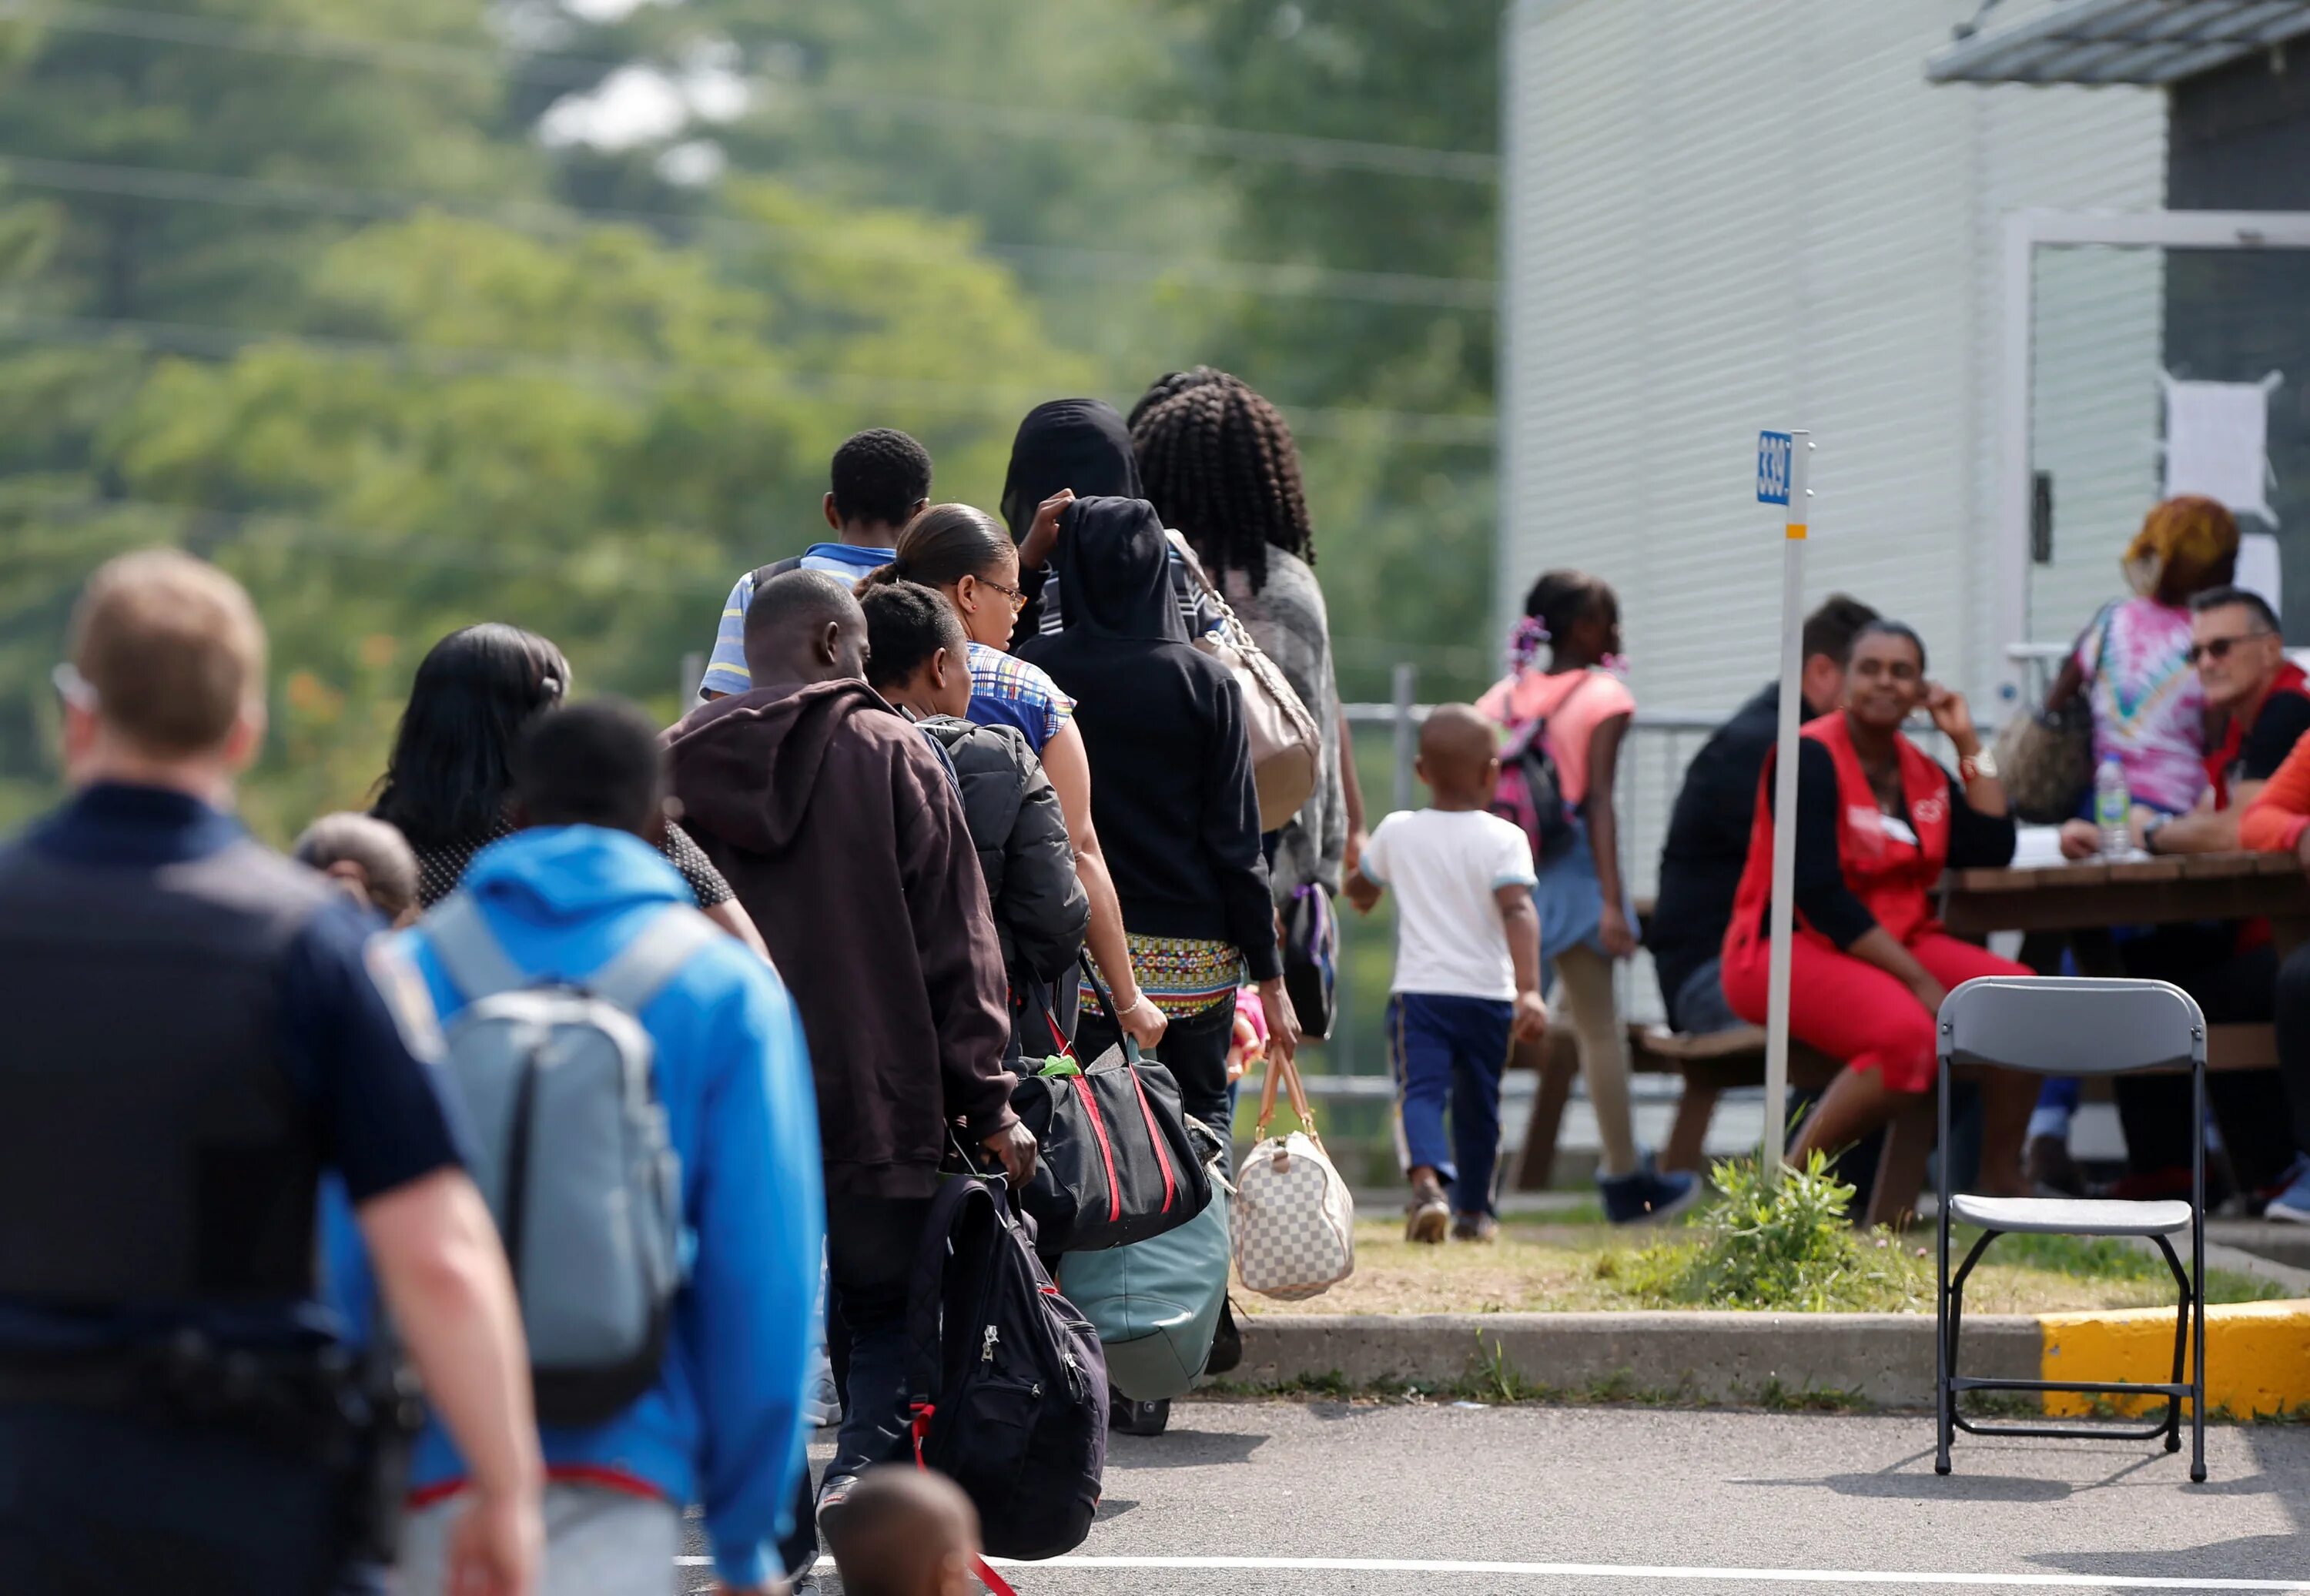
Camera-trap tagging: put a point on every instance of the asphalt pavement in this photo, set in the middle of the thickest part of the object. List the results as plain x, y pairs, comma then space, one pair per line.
1298, 1499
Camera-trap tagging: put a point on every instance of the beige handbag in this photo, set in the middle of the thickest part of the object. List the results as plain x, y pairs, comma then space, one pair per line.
1295, 1223
1285, 744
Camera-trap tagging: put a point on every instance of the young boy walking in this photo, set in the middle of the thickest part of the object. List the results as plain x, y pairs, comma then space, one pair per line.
1467, 971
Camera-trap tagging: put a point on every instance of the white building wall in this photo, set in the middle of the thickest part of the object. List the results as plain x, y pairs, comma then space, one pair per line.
1688, 260
1757, 214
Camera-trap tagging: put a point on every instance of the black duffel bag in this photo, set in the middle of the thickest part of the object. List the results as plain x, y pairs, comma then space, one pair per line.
1116, 1165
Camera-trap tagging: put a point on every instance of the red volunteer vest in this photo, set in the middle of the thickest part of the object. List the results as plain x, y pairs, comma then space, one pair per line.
1893, 878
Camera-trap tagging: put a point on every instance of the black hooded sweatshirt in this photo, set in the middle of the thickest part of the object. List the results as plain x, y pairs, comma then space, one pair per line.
841, 832
1082, 444
1171, 788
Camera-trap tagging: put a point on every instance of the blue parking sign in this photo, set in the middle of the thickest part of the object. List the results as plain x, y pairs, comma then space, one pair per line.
1773, 449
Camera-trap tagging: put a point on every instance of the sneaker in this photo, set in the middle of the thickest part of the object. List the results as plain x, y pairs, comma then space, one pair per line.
1427, 1216
823, 1405
2293, 1204
833, 1497
1480, 1228
1647, 1196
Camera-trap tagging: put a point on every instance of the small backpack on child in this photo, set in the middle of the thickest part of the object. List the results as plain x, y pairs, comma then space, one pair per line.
1531, 791
571, 1152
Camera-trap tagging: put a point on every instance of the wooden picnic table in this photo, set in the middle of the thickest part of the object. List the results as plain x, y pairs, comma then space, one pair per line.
2090, 895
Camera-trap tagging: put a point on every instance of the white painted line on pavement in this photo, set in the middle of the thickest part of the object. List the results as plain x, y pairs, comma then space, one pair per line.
1770, 1576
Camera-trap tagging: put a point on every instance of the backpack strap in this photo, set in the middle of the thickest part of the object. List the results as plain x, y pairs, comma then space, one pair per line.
471, 955
654, 958
777, 568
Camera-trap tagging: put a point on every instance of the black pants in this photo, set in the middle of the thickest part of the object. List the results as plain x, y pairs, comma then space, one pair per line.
1194, 1049
871, 1242
2293, 1006
95, 1504
2232, 988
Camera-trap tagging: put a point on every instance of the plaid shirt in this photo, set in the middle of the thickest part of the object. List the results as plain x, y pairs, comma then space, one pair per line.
1007, 692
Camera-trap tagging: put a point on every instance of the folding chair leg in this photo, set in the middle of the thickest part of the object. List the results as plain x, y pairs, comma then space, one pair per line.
2181, 1343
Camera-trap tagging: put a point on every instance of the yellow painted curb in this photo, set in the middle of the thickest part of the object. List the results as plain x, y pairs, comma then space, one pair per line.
2257, 1356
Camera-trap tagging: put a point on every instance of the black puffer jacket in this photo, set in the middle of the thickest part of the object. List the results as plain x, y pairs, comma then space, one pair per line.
1040, 912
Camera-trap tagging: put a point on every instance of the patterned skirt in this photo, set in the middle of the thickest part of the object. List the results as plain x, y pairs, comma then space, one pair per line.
1180, 976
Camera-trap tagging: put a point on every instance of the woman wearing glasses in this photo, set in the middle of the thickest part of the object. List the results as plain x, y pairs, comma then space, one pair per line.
966, 555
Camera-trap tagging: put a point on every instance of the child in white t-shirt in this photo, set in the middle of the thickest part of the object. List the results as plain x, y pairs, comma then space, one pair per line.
1467, 971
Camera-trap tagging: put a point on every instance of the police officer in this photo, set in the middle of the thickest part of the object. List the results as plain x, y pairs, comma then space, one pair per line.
193, 1031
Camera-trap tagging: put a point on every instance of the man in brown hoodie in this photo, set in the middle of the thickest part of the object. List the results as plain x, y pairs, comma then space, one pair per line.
843, 837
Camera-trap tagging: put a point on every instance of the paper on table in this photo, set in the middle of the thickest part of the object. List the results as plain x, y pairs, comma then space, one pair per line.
2036, 846
2217, 442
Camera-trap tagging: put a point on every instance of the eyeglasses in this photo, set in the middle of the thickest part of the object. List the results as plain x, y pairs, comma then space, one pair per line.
2218, 649
1018, 597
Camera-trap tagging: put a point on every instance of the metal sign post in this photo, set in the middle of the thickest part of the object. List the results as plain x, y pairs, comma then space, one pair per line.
1783, 469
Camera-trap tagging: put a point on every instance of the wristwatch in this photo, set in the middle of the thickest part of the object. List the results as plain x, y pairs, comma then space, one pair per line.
1976, 765
2150, 833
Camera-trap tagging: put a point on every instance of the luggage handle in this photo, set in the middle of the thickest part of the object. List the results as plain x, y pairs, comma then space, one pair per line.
1286, 1071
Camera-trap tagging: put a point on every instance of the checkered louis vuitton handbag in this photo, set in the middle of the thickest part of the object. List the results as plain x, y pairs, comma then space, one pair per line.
1295, 1224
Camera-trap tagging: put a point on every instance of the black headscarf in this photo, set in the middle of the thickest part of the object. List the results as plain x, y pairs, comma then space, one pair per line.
1115, 580
1082, 444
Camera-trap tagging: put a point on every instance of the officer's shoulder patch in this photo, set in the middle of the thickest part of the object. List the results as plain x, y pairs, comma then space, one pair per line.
402, 986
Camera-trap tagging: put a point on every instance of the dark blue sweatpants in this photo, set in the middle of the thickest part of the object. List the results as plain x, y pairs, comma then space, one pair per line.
1450, 1049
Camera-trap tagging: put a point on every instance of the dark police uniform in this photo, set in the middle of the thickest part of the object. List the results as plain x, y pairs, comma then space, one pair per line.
190, 1036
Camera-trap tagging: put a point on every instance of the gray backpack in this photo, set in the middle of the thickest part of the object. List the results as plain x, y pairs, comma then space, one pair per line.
571, 1152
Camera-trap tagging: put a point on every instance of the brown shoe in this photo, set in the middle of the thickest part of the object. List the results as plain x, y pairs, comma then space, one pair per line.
1427, 1215
1480, 1228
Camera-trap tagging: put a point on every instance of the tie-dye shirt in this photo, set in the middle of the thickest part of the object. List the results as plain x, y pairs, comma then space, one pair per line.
2149, 709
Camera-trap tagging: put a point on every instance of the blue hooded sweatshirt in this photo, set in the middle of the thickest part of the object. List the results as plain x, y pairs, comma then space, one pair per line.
723, 1426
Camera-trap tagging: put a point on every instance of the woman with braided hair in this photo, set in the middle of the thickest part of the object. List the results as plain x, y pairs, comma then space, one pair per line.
1218, 463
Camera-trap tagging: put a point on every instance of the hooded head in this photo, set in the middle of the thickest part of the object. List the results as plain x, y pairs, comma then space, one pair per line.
1115, 579
1082, 444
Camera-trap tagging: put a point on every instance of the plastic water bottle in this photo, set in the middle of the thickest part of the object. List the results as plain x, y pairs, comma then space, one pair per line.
2113, 809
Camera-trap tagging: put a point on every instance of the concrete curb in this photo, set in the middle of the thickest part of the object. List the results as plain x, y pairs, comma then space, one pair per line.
2257, 1354
1883, 1360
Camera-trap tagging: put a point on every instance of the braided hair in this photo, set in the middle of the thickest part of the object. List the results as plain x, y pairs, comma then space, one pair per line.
1219, 465
1174, 383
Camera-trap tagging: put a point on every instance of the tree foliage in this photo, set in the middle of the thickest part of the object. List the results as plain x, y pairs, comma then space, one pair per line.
364, 340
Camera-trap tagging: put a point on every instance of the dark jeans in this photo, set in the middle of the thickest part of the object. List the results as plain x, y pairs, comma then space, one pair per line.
2232, 988
871, 1243
94, 1504
1194, 1049
1450, 1050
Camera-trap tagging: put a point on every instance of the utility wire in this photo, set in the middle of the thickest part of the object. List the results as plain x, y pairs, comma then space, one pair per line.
348, 542
1304, 151
220, 343
1252, 277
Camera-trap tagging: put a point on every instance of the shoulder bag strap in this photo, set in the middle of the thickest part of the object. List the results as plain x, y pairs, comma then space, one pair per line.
634, 976
1107, 1002
471, 955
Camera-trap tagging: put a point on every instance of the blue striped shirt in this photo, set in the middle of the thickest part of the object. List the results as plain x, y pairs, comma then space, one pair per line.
725, 672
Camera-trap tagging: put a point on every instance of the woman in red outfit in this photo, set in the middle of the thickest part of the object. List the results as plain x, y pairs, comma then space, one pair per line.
1877, 821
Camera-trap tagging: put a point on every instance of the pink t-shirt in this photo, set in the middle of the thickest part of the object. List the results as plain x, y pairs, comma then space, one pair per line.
1572, 715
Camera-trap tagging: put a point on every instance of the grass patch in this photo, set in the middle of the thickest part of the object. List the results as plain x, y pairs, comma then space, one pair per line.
1790, 1252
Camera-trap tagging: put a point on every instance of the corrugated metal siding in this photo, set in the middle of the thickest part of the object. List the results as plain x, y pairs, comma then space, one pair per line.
1757, 214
